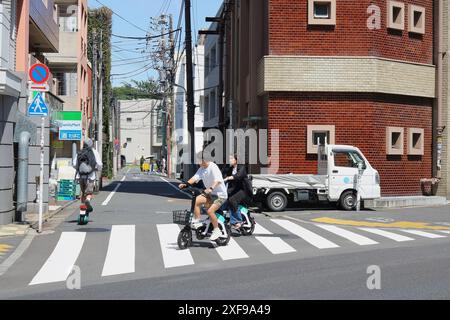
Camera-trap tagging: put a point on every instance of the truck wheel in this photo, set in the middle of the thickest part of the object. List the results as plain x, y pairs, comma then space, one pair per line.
348, 200
276, 201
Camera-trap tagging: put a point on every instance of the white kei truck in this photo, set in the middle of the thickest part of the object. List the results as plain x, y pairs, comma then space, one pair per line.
342, 171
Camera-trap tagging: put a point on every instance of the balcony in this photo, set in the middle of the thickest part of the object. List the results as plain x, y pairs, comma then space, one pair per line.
68, 52
44, 35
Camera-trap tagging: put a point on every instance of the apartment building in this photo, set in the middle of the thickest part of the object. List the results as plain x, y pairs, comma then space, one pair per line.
70, 65
28, 30
361, 73
180, 109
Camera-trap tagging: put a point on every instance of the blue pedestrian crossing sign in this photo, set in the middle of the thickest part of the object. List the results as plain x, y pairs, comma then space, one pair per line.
38, 107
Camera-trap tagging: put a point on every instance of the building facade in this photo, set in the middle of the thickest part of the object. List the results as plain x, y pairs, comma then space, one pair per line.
180, 122
28, 31
360, 73
140, 129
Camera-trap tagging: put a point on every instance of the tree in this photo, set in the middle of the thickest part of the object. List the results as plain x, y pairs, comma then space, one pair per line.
144, 89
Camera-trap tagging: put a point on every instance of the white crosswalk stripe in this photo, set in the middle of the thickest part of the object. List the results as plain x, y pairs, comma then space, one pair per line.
353, 237
445, 231
62, 260
423, 233
120, 257
231, 251
387, 234
311, 237
172, 255
276, 245
260, 230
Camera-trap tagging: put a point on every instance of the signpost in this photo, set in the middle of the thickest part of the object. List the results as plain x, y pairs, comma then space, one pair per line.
39, 75
70, 125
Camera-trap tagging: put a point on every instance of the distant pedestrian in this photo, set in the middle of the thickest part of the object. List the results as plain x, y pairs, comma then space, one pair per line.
142, 163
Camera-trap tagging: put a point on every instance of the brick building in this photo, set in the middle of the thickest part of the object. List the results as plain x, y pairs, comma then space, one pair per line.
361, 73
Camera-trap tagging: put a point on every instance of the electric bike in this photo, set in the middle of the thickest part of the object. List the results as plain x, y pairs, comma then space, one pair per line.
184, 217
248, 221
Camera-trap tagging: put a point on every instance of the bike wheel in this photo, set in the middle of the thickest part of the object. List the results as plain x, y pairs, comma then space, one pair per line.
199, 235
184, 239
224, 241
249, 231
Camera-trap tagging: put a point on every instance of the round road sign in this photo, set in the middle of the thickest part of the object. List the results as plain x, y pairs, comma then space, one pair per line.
39, 73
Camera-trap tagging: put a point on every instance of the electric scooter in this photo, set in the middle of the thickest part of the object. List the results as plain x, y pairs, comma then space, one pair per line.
83, 217
248, 226
184, 217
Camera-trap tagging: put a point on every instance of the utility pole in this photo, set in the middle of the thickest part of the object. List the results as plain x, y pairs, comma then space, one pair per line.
170, 113
163, 80
100, 105
189, 83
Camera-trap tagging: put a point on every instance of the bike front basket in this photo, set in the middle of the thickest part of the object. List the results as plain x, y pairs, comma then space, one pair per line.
182, 217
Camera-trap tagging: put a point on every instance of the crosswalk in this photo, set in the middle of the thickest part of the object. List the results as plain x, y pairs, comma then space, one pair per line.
276, 236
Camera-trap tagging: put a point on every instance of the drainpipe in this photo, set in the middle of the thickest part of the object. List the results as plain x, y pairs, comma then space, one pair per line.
438, 121
22, 174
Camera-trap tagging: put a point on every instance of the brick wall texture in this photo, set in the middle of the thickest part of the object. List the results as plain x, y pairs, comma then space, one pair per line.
360, 118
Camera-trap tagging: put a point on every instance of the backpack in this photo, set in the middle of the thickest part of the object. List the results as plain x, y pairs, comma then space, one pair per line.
86, 162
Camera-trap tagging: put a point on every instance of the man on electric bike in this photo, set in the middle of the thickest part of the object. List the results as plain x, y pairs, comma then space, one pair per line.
214, 195
239, 189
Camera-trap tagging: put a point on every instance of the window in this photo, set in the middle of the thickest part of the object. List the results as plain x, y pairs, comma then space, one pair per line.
394, 141
396, 15
129, 119
322, 12
212, 57
129, 140
415, 141
206, 108
206, 65
347, 159
212, 106
319, 133
416, 19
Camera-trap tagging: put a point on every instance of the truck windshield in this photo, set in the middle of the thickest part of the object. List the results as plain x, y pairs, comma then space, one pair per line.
347, 158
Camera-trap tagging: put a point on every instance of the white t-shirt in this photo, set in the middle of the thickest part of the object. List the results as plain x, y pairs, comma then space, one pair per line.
209, 175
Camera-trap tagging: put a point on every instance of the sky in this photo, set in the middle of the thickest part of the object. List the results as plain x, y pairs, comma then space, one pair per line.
138, 12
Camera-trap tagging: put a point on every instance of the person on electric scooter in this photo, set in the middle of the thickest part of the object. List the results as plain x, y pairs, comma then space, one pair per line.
87, 163
239, 189
214, 195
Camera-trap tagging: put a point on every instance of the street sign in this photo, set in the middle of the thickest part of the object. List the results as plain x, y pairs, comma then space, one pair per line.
39, 73
38, 107
38, 87
70, 125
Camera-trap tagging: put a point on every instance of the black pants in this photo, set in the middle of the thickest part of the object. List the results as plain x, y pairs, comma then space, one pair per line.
238, 198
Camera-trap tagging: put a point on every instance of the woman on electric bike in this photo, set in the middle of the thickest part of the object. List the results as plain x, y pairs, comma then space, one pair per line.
239, 189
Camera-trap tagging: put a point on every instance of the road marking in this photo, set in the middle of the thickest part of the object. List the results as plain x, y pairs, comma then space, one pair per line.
308, 236
60, 263
260, 230
4, 248
111, 195
23, 246
353, 237
387, 234
231, 251
172, 255
275, 245
447, 232
398, 224
123, 178
190, 196
423, 233
120, 257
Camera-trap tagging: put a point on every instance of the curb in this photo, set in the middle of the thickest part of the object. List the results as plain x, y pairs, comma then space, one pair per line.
35, 224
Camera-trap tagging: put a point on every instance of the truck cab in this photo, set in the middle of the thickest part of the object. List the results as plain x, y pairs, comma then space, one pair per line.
342, 165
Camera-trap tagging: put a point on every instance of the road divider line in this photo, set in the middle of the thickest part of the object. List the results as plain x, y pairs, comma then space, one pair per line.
190, 196
120, 257
111, 195
123, 178
387, 234
423, 234
349, 235
60, 263
275, 245
231, 251
172, 255
305, 234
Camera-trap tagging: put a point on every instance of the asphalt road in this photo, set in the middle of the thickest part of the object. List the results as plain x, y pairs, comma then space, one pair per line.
128, 251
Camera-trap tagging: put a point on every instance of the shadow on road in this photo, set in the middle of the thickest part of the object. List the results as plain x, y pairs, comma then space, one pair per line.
154, 188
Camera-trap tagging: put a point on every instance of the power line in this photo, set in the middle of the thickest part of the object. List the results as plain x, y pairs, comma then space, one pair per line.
131, 23
147, 37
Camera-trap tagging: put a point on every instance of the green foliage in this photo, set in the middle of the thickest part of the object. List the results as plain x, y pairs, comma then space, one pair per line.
100, 21
144, 89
